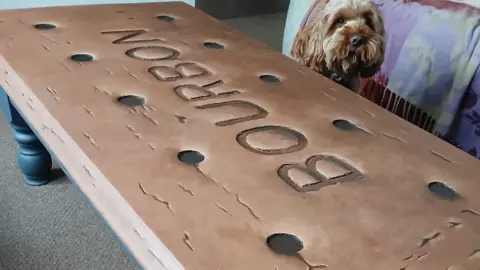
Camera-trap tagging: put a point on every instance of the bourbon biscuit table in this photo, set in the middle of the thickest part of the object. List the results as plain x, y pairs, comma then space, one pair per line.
203, 149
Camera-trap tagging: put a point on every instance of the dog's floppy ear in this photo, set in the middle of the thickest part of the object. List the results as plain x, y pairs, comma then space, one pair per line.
374, 67
307, 47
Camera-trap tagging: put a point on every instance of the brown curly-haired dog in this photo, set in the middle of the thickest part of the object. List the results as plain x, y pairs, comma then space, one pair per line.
344, 41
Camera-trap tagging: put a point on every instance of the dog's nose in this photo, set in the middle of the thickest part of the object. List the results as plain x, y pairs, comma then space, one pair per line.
356, 41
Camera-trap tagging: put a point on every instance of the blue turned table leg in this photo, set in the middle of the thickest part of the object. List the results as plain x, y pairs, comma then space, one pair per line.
33, 159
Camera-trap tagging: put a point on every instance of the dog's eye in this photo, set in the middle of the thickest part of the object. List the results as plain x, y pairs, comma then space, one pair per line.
340, 21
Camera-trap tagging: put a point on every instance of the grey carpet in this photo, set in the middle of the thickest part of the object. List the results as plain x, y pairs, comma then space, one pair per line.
53, 226
50, 227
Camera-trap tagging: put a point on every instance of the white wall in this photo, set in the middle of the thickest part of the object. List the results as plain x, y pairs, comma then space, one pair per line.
12, 4
296, 13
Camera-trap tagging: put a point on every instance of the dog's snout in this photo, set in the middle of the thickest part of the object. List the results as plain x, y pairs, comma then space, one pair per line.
356, 41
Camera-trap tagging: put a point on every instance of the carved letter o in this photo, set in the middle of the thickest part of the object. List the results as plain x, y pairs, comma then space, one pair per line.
272, 140
153, 53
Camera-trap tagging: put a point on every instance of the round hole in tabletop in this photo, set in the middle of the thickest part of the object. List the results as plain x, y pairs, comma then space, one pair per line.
269, 78
213, 45
82, 57
131, 100
165, 18
285, 244
442, 190
344, 125
45, 26
191, 157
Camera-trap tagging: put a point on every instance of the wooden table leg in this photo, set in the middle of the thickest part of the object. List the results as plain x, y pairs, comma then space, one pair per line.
33, 158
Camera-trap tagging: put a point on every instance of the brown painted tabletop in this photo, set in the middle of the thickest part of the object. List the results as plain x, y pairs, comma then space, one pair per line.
205, 149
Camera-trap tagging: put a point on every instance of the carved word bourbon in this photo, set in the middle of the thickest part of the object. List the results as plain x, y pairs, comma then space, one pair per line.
334, 170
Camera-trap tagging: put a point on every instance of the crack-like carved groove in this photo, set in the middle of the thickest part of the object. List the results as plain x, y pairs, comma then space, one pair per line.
206, 176
435, 153
152, 147
365, 130
329, 96
470, 211
49, 39
475, 253
223, 209
427, 239
88, 111
138, 233
150, 119
393, 137
65, 66
186, 189
182, 119
97, 89
87, 171
186, 239
453, 224
367, 112
248, 208
156, 198
92, 141
109, 71
310, 266
226, 190
51, 90
133, 75
156, 257
130, 128
421, 256
54, 133
409, 257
